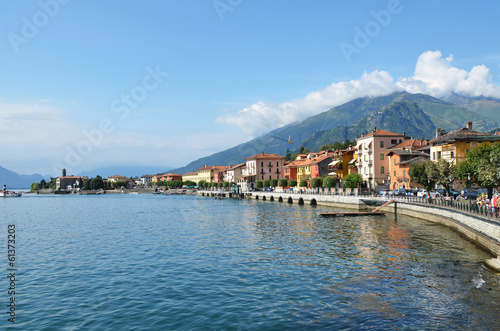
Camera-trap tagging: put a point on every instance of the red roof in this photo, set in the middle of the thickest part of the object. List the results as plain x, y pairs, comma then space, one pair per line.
382, 133
266, 156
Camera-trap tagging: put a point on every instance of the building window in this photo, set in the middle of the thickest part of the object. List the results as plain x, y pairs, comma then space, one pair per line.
277, 164
269, 176
404, 174
366, 172
381, 156
262, 176
365, 158
382, 170
381, 144
452, 155
439, 156
394, 141
394, 173
394, 161
433, 155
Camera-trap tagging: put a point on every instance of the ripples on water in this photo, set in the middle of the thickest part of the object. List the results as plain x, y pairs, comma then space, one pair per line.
183, 262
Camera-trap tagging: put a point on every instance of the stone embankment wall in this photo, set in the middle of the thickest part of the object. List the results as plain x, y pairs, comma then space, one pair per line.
482, 230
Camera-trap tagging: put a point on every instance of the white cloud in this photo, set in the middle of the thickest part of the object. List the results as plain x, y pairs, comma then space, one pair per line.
262, 117
434, 75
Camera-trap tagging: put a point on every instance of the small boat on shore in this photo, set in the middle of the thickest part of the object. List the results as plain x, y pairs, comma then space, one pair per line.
9, 194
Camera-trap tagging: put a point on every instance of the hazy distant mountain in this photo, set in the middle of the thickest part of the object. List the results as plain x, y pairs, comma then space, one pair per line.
127, 171
14, 180
417, 114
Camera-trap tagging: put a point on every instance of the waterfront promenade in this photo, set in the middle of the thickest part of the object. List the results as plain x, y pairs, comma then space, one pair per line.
467, 219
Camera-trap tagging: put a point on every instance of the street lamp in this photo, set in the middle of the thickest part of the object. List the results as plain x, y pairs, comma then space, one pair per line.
468, 185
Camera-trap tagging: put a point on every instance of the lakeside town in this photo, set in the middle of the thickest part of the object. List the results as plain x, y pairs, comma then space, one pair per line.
380, 162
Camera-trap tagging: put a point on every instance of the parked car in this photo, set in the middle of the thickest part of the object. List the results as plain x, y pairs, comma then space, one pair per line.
424, 193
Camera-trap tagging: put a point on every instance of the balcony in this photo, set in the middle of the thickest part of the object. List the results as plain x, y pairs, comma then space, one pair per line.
269, 165
262, 171
278, 171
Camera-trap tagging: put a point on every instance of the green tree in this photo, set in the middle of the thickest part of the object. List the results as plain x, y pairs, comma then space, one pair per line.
96, 183
292, 183
226, 184
418, 175
329, 181
35, 187
304, 150
201, 184
288, 155
442, 173
274, 182
267, 183
316, 182
43, 183
86, 184
484, 162
259, 184
352, 180
303, 182
283, 182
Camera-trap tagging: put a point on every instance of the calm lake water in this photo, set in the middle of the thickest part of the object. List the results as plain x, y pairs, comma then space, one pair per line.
145, 262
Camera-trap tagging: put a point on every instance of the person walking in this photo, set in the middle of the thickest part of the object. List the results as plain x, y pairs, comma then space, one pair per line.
494, 205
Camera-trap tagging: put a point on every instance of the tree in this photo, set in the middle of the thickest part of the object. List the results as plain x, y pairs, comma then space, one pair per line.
316, 182
352, 180
35, 187
304, 150
283, 182
267, 183
329, 181
274, 182
303, 182
441, 172
96, 183
226, 184
86, 184
292, 183
201, 184
259, 184
418, 174
42, 183
288, 155
484, 163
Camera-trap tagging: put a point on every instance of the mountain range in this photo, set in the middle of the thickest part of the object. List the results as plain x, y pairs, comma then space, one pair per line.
417, 115
13, 180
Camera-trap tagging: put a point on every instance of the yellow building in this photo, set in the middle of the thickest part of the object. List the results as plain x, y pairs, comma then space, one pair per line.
453, 146
192, 176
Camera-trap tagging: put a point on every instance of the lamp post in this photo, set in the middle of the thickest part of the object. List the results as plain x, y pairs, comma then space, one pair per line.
389, 181
468, 185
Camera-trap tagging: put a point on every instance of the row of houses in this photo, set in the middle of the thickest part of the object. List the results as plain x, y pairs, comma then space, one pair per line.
382, 158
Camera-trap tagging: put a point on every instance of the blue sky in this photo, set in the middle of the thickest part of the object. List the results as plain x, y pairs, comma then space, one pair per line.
203, 76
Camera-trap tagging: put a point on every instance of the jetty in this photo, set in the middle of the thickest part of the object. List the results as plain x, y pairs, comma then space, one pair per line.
374, 212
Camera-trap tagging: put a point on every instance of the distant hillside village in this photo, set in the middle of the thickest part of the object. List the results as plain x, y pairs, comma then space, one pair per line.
379, 160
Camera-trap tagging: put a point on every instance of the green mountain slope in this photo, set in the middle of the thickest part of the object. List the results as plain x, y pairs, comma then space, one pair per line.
449, 116
488, 107
400, 116
416, 114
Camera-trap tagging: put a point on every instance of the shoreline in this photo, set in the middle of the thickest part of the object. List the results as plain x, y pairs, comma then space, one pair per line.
483, 231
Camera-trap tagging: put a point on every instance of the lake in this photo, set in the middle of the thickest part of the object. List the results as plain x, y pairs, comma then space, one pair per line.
147, 262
